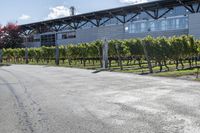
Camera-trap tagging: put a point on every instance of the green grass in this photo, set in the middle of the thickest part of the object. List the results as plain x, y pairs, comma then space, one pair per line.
197, 79
131, 68
178, 73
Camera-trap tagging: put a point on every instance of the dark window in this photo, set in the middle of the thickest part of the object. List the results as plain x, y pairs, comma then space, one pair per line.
48, 40
30, 39
68, 35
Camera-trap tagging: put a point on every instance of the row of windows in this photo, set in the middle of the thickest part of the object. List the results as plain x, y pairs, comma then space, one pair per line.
50, 37
48, 40
31, 39
158, 25
164, 24
180, 10
69, 35
143, 16
180, 22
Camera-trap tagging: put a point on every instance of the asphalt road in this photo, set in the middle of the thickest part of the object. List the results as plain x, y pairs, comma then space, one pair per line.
39, 99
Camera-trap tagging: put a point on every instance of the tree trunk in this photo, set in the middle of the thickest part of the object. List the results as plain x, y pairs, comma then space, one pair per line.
69, 61
165, 63
190, 63
119, 57
147, 58
160, 65
181, 61
139, 63
196, 61
84, 62
177, 64
93, 62
110, 63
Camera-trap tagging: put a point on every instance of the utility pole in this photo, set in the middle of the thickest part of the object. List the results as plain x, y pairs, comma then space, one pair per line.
57, 49
105, 54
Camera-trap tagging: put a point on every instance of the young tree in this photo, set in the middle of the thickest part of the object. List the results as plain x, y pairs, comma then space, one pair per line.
11, 36
1, 37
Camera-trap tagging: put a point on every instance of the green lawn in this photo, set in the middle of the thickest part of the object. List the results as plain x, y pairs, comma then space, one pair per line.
128, 68
177, 73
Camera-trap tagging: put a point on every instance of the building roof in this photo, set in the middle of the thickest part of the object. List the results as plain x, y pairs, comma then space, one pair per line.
120, 11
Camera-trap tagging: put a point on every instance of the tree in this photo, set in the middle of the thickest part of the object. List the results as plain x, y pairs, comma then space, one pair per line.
135, 49
1, 37
148, 44
164, 52
10, 36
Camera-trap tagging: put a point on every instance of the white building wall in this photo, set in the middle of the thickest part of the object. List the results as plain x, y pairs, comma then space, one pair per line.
194, 25
111, 32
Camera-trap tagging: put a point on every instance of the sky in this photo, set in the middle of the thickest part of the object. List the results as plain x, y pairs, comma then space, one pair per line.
28, 11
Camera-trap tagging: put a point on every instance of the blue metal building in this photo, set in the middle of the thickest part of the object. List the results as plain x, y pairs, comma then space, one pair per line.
157, 18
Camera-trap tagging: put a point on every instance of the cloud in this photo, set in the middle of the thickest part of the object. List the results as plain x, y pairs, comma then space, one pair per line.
58, 12
24, 17
133, 1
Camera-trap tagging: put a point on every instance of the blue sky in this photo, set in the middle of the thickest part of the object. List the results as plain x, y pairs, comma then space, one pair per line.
27, 11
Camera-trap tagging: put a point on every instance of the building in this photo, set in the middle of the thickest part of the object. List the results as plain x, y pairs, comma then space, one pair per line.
157, 18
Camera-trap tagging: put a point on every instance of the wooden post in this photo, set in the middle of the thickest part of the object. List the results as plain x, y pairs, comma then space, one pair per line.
1, 54
147, 58
105, 54
26, 55
57, 49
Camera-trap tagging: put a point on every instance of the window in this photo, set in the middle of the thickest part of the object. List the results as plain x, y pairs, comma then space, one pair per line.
48, 40
183, 23
30, 39
37, 40
164, 24
152, 26
143, 27
68, 35
170, 24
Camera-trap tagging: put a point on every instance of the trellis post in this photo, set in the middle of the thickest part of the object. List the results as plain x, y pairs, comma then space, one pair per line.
105, 54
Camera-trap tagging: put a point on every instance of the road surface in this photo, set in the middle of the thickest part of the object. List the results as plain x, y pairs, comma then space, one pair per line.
40, 99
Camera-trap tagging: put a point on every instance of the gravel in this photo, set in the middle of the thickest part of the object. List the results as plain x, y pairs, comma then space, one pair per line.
41, 99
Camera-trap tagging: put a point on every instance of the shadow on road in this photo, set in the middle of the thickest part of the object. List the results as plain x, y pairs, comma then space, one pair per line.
100, 70
4, 65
